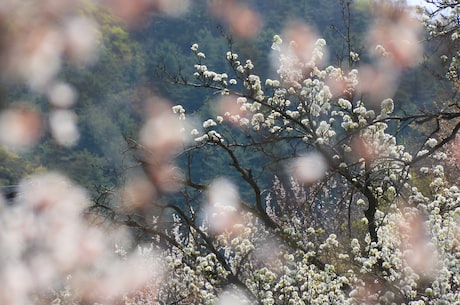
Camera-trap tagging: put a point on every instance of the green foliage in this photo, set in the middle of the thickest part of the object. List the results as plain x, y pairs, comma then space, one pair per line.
14, 167
85, 168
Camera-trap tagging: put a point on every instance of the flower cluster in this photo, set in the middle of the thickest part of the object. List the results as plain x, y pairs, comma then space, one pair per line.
48, 245
402, 251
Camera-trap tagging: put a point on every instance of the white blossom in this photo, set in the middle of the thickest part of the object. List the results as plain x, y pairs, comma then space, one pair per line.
387, 106
209, 123
431, 142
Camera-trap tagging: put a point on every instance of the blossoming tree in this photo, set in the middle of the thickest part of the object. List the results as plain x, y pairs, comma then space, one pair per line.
347, 226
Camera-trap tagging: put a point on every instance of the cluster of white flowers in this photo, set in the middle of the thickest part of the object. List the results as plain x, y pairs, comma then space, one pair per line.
412, 259
354, 56
253, 84
387, 106
441, 20
179, 109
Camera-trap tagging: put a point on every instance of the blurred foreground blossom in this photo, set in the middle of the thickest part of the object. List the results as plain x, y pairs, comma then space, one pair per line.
130, 11
63, 124
163, 133
134, 12
302, 39
62, 95
378, 82
37, 59
222, 207
114, 278
137, 193
309, 168
419, 253
161, 137
82, 36
233, 297
173, 7
20, 128
241, 19
40, 35
44, 238
364, 149
395, 37
233, 108
398, 34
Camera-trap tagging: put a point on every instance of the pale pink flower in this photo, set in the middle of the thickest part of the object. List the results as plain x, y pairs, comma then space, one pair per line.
241, 20
20, 128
